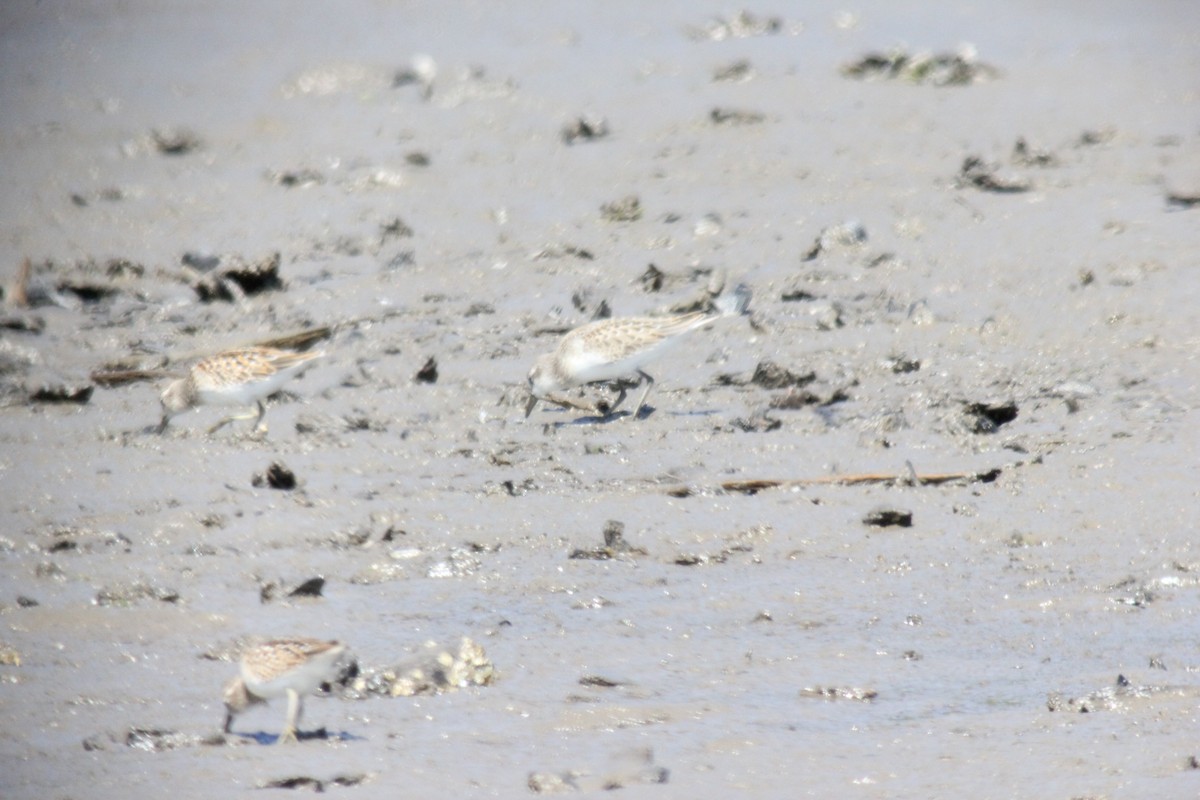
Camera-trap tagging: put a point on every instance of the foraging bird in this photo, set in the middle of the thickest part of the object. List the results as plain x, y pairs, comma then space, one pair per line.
246, 376
292, 667
613, 349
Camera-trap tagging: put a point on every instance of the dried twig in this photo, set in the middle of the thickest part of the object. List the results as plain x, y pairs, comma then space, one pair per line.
756, 485
18, 294
298, 341
109, 378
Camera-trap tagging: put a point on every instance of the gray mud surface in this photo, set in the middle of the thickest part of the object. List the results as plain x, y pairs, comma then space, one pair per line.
924, 525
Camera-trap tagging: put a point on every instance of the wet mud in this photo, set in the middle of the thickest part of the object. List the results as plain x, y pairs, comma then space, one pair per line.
921, 524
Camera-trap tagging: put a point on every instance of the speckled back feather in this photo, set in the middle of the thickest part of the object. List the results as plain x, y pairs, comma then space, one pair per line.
618, 338
269, 660
245, 365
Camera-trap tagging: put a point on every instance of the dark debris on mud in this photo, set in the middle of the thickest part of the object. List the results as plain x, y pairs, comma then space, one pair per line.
1121, 696
232, 278
71, 538
630, 768
275, 476
626, 209
987, 417
733, 116
585, 128
887, 517
768, 375
854, 693
175, 141
976, 173
615, 545
78, 393
428, 373
309, 588
759, 421
936, 69
129, 594
151, 740
315, 785
741, 25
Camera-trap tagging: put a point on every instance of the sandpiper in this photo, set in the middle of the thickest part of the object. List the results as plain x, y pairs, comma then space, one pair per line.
293, 667
614, 349
242, 377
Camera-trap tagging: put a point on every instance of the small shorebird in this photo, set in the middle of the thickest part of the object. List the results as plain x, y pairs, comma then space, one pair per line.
292, 667
614, 349
242, 377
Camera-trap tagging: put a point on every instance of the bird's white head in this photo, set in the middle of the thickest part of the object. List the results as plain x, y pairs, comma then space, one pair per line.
542, 381
237, 699
176, 398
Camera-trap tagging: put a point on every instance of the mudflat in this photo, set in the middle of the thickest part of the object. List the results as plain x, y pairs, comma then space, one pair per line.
921, 525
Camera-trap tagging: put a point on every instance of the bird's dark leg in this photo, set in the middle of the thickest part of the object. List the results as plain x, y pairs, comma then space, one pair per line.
262, 411
567, 402
642, 401
222, 424
608, 409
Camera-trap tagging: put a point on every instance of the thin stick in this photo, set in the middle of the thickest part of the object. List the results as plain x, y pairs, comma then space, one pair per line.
755, 485
299, 340
119, 377
18, 293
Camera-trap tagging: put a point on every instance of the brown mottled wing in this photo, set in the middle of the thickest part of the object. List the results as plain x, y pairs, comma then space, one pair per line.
282, 359
302, 646
274, 658
619, 338
246, 365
